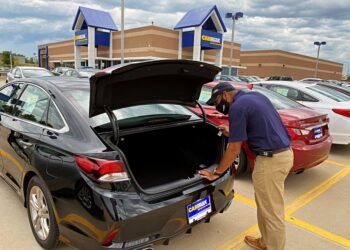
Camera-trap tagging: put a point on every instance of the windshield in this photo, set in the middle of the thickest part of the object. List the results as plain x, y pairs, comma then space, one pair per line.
35, 73
330, 93
140, 115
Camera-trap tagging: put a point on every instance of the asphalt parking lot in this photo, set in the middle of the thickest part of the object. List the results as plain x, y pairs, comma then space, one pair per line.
317, 213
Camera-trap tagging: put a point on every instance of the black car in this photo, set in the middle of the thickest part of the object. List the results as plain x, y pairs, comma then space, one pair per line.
113, 164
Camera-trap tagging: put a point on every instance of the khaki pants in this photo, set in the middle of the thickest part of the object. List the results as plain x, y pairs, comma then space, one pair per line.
268, 178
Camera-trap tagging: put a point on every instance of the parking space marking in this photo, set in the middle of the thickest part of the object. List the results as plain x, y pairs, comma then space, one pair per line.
304, 199
319, 231
337, 164
245, 200
238, 243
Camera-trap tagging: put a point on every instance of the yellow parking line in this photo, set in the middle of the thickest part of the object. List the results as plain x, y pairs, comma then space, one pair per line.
337, 164
319, 231
237, 242
315, 192
245, 200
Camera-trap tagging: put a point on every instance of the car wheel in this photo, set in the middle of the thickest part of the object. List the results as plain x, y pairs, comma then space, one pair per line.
41, 217
240, 164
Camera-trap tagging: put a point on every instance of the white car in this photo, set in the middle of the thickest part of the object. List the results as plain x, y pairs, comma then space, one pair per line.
321, 99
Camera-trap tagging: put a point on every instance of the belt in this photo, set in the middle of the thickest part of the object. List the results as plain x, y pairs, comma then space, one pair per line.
270, 153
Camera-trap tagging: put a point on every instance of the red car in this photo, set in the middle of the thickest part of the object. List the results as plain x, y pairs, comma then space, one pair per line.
311, 142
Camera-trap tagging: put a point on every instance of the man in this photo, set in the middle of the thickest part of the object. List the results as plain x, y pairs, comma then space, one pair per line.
253, 118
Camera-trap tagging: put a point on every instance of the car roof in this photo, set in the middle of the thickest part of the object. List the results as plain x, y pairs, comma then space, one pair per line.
29, 67
234, 84
62, 83
287, 83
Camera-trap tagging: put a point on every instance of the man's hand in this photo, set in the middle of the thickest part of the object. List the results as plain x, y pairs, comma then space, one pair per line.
224, 129
206, 174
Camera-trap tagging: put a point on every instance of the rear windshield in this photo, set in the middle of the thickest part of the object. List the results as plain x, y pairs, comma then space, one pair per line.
141, 115
277, 100
35, 73
330, 93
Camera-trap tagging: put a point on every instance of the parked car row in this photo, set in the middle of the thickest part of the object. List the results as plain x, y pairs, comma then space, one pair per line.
322, 98
21, 72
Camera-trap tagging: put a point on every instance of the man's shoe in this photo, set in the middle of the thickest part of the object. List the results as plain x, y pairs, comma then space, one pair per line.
254, 242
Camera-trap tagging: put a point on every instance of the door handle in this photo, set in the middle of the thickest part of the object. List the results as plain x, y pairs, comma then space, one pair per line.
24, 143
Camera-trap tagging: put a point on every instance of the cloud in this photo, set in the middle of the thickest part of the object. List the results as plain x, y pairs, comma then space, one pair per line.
267, 24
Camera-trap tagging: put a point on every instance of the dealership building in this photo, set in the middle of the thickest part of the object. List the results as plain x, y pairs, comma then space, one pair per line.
197, 36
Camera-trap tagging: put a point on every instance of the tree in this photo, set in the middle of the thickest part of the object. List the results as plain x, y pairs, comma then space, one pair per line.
6, 57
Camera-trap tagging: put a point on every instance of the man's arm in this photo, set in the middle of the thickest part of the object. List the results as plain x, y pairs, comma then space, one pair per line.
231, 153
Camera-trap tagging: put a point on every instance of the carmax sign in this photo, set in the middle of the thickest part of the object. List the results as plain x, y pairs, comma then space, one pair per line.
210, 39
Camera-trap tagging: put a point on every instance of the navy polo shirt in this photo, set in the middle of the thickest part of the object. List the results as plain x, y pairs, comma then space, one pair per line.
254, 119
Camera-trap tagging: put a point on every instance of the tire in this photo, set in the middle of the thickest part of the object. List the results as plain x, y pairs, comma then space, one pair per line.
241, 163
40, 209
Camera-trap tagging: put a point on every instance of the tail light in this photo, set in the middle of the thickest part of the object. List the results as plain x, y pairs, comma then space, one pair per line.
102, 170
297, 133
108, 240
343, 112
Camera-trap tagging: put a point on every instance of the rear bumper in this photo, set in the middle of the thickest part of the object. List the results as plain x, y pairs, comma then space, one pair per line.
142, 224
308, 156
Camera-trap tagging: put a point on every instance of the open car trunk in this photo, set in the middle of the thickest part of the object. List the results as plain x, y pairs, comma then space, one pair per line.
170, 158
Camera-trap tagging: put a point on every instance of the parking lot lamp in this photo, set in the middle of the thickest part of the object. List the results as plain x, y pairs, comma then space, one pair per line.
122, 32
318, 44
234, 17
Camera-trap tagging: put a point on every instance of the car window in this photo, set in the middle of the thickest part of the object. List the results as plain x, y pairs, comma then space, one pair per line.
205, 95
307, 98
68, 73
330, 93
8, 97
87, 73
277, 100
74, 73
32, 104
148, 114
54, 119
17, 73
279, 89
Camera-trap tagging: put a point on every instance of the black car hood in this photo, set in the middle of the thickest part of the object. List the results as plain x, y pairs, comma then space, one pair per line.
160, 81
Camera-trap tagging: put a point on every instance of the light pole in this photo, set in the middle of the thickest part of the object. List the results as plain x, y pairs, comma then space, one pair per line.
318, 44
122, 33
234, 17
11, 59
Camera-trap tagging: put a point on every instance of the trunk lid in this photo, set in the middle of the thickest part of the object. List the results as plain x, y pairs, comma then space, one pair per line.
160, 81
301, 117
305, 124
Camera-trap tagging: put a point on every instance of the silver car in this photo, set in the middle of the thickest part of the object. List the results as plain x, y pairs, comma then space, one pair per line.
27, 72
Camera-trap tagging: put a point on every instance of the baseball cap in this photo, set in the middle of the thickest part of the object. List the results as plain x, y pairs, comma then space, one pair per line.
218, 90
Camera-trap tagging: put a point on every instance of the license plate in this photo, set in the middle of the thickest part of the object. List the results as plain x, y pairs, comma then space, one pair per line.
318, 133
198, 210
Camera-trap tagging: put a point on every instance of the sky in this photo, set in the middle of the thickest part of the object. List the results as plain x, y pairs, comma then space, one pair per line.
290, 25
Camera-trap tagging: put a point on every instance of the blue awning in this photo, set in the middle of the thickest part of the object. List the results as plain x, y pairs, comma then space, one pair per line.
196, 17
95, 18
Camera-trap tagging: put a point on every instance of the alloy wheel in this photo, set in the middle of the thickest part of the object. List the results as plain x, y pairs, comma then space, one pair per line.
39, 213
